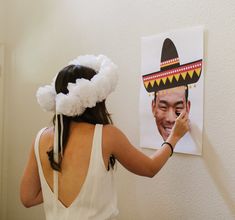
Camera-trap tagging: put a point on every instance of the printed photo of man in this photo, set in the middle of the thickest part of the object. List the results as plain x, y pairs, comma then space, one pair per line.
172, 82
167, 106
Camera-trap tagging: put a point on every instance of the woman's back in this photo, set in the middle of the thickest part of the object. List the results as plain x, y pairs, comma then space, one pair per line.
75, 160
83, 173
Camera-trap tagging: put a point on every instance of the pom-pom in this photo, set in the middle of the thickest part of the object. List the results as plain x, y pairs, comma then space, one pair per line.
83, 93
46, 97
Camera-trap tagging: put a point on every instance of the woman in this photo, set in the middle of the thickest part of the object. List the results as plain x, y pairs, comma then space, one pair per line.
71, 165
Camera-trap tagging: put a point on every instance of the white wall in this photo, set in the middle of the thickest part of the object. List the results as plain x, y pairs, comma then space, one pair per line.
2, 20
43, 36
2, 153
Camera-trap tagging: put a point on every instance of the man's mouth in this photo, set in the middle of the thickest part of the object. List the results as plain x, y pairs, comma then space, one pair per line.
168, 130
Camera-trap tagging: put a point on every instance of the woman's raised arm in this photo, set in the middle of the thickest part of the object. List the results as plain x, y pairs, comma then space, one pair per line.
136, 161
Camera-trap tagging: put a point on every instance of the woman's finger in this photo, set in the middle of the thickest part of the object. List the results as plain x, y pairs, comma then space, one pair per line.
182, 115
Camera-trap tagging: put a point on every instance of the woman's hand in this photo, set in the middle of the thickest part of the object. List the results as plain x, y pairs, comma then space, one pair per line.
180, 127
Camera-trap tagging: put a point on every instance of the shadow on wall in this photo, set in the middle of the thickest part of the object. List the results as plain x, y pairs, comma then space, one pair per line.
218, 173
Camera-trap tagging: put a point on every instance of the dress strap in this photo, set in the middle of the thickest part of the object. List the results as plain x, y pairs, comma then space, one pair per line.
96, 154
55, 173
97, 139
36, 147
56, 158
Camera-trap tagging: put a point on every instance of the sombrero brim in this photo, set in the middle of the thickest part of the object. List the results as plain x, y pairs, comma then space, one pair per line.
183, 75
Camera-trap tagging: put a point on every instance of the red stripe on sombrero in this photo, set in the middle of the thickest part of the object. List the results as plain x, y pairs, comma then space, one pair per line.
169, 62
175, 71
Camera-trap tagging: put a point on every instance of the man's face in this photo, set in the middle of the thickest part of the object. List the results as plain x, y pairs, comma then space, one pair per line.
167, 107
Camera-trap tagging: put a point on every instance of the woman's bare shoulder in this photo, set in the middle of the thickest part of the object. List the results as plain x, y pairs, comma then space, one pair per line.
47, 132
113, 134
111, 129
47, 135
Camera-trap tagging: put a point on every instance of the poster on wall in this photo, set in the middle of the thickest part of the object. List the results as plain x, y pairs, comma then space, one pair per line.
172, 81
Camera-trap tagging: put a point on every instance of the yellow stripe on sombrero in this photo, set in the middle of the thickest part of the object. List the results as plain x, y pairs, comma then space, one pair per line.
177, 77
164, 80
170, 78
146, 84
152, 82
158, 81
198, 71
190, 73
169, 64
184, 74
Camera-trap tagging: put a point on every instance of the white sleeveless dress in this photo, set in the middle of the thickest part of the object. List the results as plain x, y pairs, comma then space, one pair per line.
97, 198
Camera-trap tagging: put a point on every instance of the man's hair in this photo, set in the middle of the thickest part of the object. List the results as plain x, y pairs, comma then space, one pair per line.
186, 94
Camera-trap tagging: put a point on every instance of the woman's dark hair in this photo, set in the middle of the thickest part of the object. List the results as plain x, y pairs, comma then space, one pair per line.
95, 115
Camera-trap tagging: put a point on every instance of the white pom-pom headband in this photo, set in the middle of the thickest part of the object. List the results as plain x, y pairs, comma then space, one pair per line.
84, 93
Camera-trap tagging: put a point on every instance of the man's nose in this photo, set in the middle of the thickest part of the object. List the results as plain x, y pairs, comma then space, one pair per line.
171, 116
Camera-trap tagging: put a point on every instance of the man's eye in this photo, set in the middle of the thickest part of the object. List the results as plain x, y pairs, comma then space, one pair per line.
177, 113
179, 109
162, 108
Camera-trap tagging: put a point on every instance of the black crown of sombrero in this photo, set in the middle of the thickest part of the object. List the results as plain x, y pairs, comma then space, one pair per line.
171, 73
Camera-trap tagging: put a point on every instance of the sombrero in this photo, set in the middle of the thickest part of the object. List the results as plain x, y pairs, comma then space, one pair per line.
171, 73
